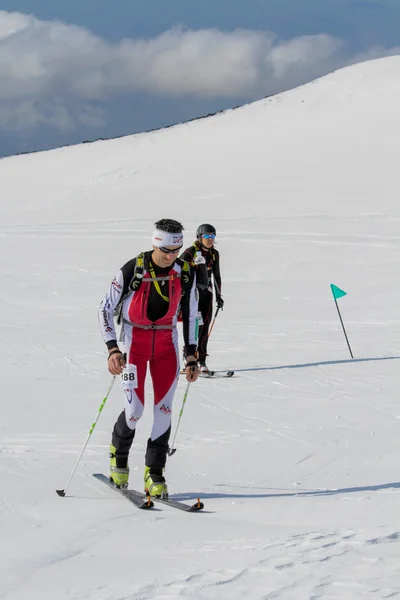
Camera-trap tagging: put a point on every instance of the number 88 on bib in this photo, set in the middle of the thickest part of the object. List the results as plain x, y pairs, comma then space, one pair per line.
129, 377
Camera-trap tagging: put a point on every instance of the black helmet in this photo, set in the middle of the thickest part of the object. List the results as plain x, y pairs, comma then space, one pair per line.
205, 228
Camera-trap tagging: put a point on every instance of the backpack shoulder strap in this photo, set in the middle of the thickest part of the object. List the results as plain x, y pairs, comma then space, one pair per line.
134, 284
141, 264
185, 274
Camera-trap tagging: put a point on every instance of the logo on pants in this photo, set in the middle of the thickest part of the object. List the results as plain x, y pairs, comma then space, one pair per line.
165, 409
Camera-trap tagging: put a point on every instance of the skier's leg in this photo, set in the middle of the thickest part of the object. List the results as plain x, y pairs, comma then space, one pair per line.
205, 307
164, 369
124, 428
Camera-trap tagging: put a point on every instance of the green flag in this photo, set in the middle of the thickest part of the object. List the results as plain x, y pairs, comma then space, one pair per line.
337, 292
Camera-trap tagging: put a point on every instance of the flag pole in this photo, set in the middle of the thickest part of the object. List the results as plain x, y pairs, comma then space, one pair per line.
338, 293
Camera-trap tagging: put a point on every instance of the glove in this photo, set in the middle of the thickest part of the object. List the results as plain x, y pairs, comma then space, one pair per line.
199, 260
220, 302
191, 369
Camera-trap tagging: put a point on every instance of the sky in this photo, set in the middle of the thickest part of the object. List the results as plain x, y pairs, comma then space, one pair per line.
296, 457
79, 71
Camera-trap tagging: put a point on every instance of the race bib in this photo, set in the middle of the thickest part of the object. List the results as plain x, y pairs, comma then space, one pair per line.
129, 377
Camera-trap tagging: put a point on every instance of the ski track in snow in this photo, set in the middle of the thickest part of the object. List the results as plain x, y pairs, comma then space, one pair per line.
311, 565
259, 237
327, 555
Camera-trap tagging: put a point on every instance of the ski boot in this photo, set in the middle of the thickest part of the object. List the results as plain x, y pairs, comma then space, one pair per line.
155, 484
204, 370
119, 470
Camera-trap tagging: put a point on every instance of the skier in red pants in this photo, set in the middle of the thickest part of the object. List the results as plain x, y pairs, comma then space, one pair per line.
148, 292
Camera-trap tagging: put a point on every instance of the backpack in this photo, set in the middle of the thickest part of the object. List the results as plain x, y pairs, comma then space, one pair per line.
142, 264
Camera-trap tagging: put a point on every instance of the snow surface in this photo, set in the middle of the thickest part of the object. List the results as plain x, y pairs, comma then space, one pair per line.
297, 456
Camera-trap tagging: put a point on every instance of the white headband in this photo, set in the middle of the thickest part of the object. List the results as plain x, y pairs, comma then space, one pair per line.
164, 238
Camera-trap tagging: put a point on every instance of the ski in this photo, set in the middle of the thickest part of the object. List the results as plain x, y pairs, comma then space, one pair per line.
214, 374
142, 500
218, 374
137, 498
181, 505
172, 502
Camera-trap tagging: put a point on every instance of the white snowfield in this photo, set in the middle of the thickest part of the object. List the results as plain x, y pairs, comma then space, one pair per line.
297, 457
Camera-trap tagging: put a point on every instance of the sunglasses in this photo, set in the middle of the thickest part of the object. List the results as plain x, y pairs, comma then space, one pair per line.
209, 236
169, 251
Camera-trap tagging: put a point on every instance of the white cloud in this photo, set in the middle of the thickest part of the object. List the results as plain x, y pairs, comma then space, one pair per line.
204, 62
49, 70
11, 23
305, 53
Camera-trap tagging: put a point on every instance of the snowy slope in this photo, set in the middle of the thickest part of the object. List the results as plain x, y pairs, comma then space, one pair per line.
296, 458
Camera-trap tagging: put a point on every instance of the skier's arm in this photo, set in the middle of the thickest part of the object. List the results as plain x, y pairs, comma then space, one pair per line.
217, 275
118, 289
217, 281
189, 306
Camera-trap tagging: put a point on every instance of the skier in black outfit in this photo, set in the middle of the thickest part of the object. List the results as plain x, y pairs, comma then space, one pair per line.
203, 255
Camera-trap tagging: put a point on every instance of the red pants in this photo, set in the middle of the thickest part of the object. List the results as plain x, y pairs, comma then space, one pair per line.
159, 349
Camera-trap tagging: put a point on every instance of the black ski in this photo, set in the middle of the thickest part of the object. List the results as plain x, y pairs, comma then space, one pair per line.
137, 498
210, 374
218, 374
141, 500
181, 505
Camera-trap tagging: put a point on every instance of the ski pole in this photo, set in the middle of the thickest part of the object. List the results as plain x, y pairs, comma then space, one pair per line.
212, 324
63, 492
172, 450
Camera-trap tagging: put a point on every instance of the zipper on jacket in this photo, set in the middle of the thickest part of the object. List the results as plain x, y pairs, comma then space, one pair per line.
144, 305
